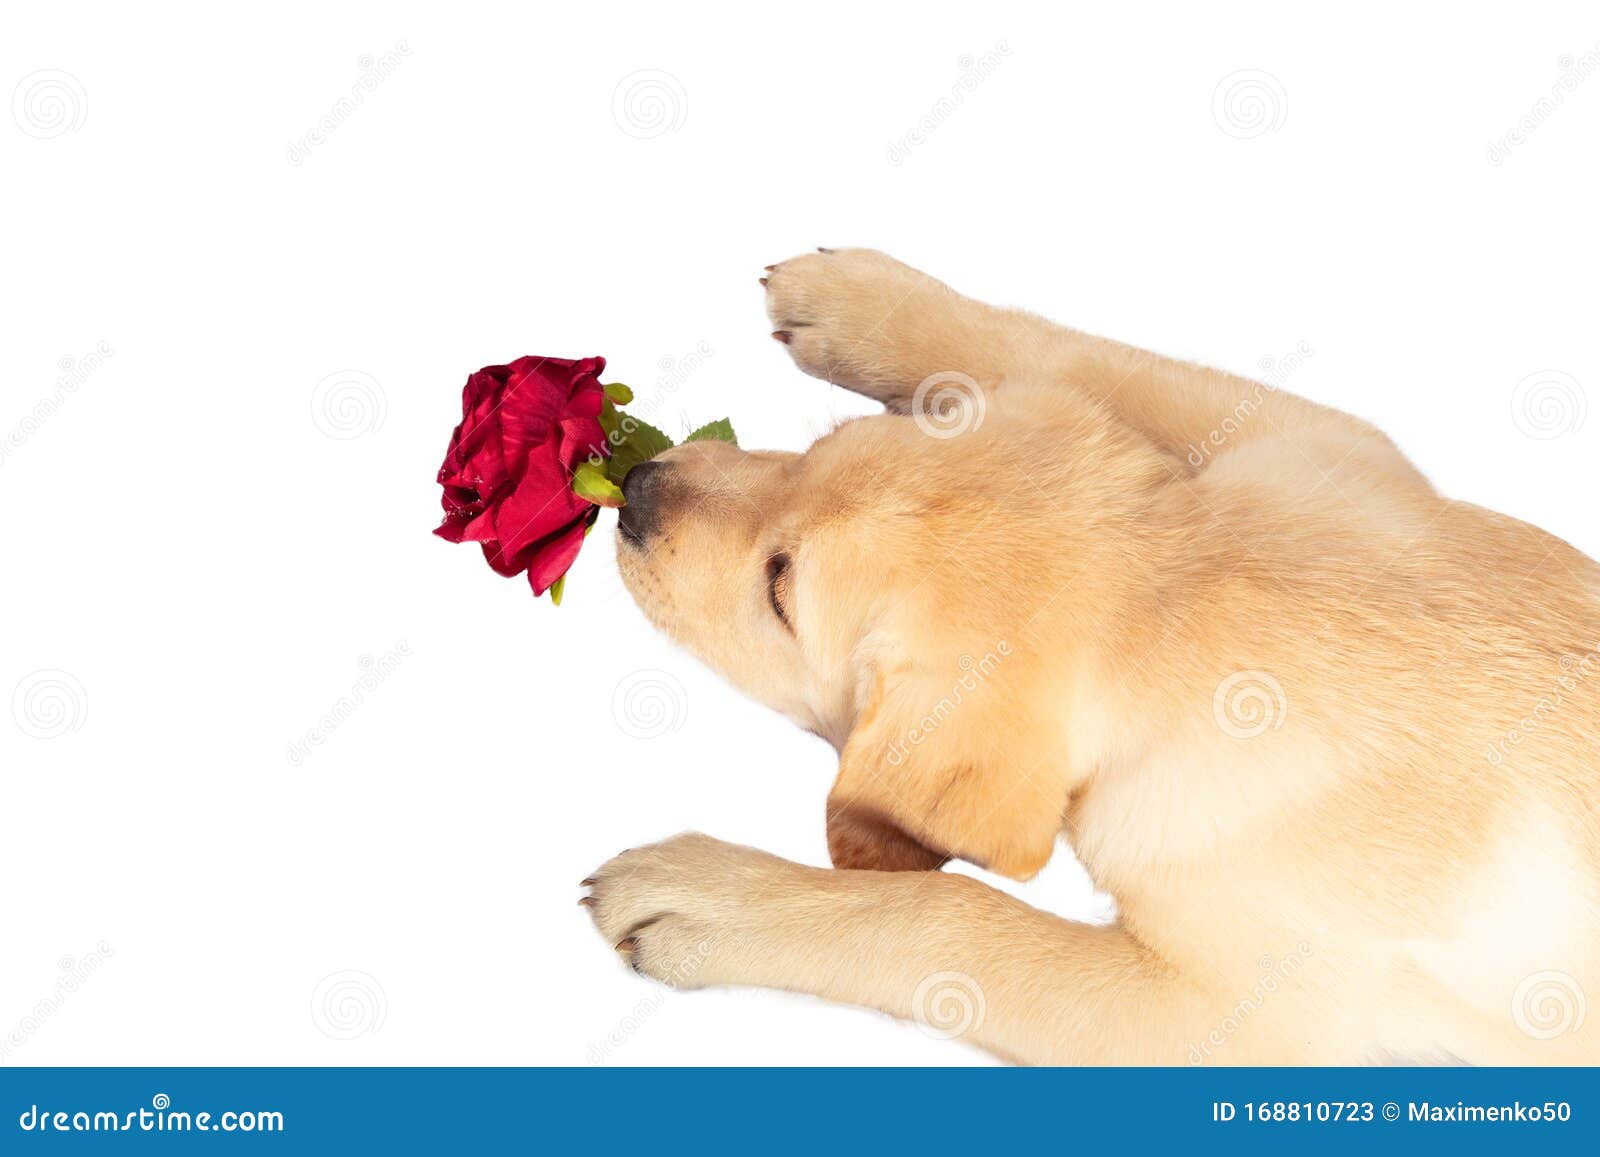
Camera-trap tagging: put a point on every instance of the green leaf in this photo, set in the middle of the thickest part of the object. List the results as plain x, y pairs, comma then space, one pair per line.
589, 482
633, 440
556, 588
618, 393
719, 431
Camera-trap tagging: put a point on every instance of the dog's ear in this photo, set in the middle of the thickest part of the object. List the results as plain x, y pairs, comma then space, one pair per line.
860, 836
941, 768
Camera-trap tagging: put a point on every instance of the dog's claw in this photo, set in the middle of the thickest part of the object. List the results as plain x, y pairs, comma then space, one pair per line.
763, 280
769, 268
628, 944
782, 335
586, 901
821, 249
586, 882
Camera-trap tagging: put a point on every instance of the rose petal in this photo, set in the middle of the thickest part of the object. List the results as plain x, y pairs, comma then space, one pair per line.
507, 565
579, 439
542, 503
466, 527
554, 556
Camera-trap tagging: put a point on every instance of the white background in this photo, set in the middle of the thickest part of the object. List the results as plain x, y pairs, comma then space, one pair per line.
208, 527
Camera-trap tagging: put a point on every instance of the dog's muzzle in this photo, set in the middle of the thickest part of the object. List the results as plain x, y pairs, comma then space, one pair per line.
641, 491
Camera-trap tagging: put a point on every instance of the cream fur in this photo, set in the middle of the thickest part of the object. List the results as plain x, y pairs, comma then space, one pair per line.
1329, 738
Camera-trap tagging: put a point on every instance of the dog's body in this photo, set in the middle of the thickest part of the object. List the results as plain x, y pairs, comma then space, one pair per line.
1330, 740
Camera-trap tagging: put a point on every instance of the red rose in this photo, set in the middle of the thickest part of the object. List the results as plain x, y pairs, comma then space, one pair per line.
507, 477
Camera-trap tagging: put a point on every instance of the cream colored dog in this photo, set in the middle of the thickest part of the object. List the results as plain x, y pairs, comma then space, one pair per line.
1330, 739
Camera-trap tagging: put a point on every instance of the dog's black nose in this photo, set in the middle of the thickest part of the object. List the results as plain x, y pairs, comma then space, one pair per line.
641, 491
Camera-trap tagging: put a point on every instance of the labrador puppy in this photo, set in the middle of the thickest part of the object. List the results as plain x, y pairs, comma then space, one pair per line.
1330, 740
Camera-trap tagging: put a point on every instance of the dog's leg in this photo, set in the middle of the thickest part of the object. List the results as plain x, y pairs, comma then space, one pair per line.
863, 320
958, 957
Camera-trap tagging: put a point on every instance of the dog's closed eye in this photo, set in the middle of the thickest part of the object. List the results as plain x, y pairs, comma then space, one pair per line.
778, 588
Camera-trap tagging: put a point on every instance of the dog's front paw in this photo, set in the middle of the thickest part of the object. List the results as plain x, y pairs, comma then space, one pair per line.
859, 318
684, 911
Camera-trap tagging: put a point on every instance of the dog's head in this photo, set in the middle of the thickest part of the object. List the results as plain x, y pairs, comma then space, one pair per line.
882, 590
